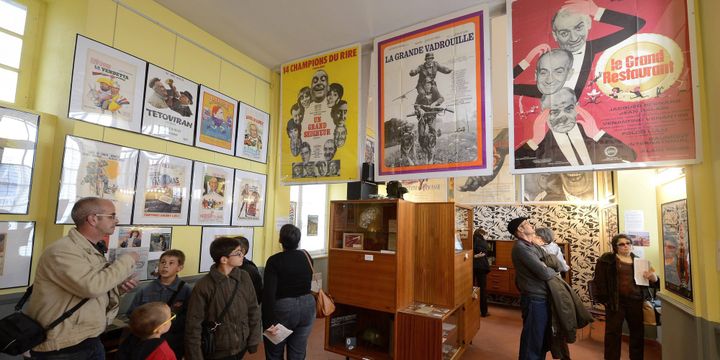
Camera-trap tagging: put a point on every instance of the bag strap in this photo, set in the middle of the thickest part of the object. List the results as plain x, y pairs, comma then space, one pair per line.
174, 295
309, 261
57, 321
227, 305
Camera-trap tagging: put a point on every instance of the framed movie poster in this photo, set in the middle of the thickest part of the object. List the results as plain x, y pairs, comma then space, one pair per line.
94, 168
252, 133
107, 86
321, 130
163, 189
249, 199
426, 190
676, 248
18, 142
211, 233
16, 251
156, 239
497, 188
170, 106
216, 121
602, 84
571, 187
434, 98
211, 202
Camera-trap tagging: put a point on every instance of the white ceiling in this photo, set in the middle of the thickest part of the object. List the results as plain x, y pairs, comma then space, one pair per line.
276, 31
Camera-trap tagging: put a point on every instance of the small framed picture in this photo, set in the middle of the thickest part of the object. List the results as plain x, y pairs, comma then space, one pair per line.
211, 233
353, 241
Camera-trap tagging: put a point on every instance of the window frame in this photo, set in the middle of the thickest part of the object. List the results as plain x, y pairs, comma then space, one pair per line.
30, 45
323, 218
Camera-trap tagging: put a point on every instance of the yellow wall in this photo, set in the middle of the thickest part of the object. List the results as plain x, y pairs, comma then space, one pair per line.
636, 191
150, 32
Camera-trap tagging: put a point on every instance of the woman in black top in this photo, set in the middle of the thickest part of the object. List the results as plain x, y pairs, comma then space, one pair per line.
286, 297
481, 267
623, 299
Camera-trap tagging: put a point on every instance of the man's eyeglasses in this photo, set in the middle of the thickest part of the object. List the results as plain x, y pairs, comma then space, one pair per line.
237, 253
111, 216
624, 244
172, 317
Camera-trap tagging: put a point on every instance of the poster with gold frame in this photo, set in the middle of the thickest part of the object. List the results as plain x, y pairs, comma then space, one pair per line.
163, 189
211, 201
98, 169
676, 248
16, 252
211, 233
18, 143
107, 86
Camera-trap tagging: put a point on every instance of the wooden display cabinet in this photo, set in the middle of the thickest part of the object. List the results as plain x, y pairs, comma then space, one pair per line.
373, 333
430, 332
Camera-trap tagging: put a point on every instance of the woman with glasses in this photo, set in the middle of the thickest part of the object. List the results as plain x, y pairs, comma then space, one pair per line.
622, 297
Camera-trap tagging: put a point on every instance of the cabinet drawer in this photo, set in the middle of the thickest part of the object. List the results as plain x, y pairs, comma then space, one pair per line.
498, 280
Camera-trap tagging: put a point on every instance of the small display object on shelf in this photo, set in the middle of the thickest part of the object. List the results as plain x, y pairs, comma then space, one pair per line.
163, 190
98, 169
252, 133
212, 188
217, 114
353, 241
211, 233
18, 143
107, 86
170, 106
16, 250
249, 199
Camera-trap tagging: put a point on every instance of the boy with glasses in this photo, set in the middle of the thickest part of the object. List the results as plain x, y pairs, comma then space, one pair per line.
224, 300
147, 324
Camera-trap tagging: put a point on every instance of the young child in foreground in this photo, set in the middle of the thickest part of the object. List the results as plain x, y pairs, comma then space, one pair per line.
148, 323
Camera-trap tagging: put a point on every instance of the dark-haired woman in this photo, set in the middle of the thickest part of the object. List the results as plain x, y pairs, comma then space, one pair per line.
622, 297
481, 267
286, 297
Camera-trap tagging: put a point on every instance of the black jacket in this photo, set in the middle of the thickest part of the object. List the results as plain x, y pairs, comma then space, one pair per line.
606, 281
480, 246
252, 270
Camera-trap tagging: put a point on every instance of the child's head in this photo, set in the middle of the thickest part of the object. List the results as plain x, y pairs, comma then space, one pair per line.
244, 244
226, 248
171, 262
150, 320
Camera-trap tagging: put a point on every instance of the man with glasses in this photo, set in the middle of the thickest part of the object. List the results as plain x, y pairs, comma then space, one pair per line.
531, 273
72, 269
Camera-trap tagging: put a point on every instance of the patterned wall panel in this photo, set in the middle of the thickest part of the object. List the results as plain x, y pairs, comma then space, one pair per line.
578, 225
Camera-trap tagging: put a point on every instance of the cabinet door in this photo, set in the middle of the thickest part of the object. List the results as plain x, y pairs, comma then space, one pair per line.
365, 279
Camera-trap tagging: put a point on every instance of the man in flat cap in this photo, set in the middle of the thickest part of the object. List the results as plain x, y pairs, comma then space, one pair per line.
531, 273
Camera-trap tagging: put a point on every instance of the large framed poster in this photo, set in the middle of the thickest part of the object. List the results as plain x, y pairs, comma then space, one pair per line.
16, 251
575, 187
18, 143
107, 86
249, 199
211, 233
212, 189
426, 190
170, 106
163, 189
322, 138
602, 85
434, 115
252, 135
94, 168
676, 248
217, 114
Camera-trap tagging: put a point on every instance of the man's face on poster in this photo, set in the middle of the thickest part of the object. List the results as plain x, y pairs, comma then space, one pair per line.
670, 249
329, 149
340, 136
319, 85
570, 30
578, 184
213, 184
343, 112
333, 167
563, 112
305, 153
553, 69
296, 116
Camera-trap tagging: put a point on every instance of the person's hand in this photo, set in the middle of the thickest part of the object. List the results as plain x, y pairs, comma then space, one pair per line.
539, 126
272, 330
129, 284
650, 275
536, 51
135, 256
588, 122
582, 6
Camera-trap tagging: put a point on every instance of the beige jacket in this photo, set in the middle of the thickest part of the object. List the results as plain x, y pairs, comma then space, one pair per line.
70, 270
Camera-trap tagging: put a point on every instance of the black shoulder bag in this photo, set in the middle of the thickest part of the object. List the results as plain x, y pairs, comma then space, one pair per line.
209, 327
20, 333
175, 293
